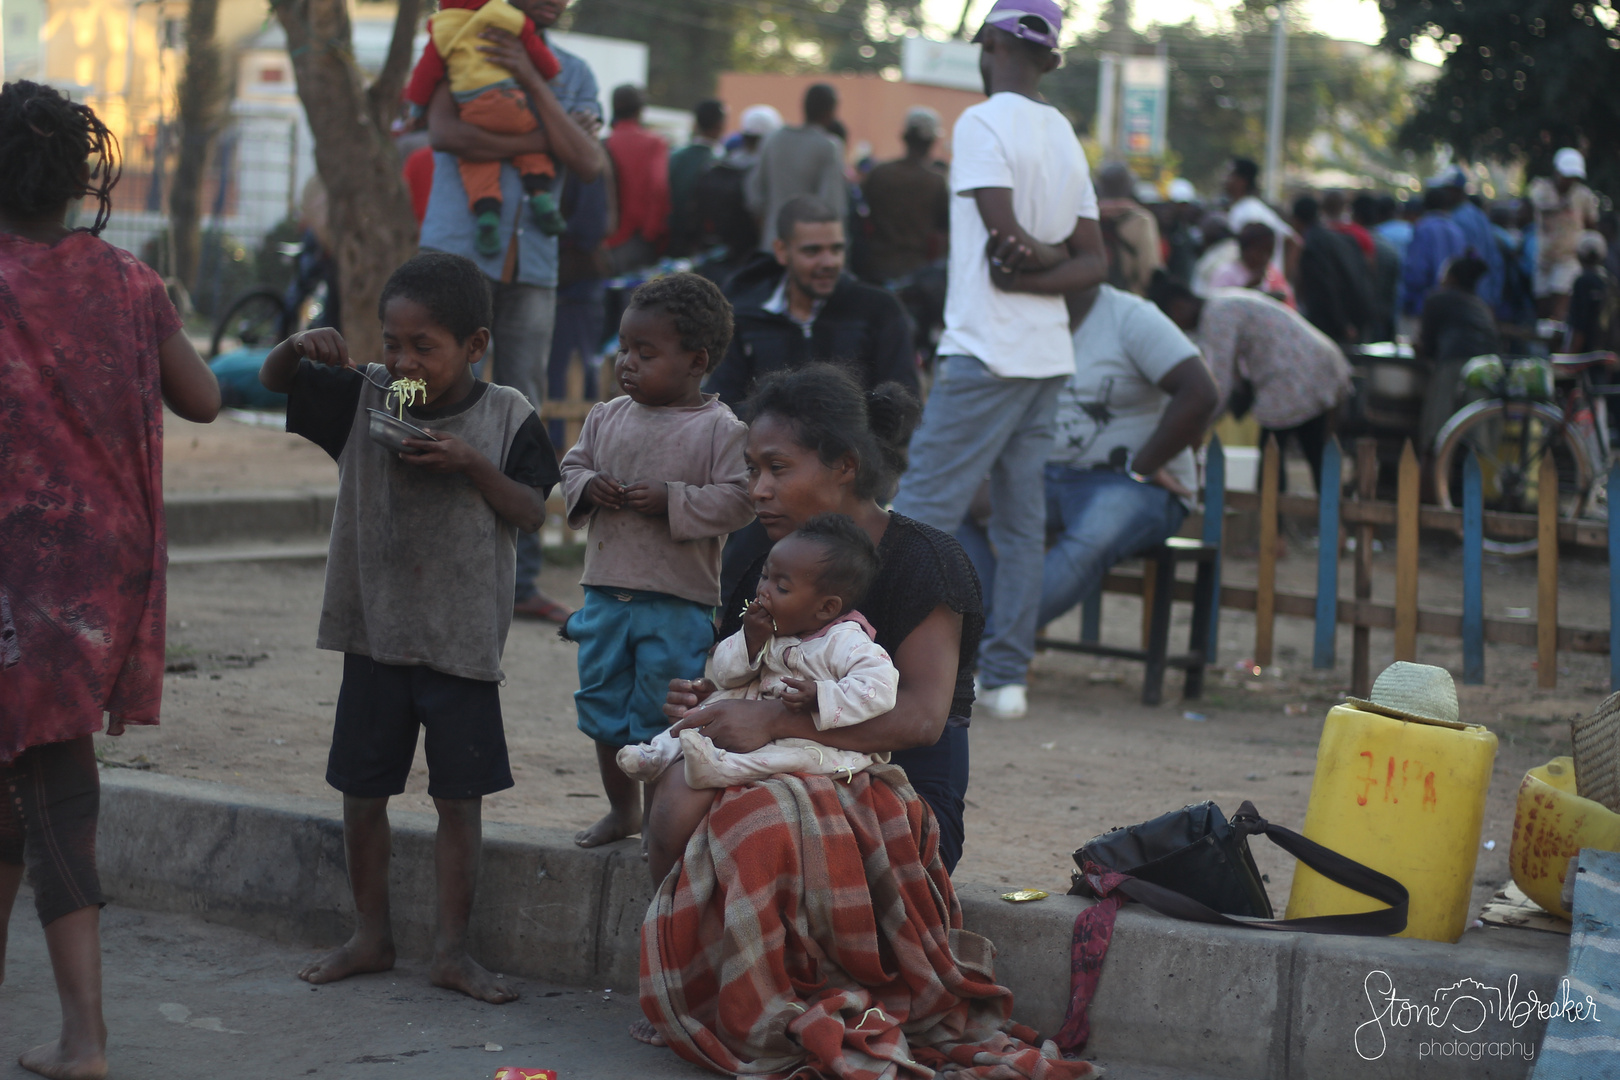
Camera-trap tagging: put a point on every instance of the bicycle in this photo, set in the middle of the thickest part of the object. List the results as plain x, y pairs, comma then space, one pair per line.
1518, 425
260, 318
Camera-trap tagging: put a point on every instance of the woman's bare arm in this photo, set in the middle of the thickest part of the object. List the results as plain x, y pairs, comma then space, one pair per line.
189, 387
926, 660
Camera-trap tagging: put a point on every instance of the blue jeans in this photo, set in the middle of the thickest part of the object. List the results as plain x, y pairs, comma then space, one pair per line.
1104, 519
976, 425
520, 343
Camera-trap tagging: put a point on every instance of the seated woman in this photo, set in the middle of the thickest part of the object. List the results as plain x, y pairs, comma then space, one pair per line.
809, 918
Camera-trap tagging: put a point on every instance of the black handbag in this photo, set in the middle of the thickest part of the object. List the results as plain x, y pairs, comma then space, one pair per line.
1194, 864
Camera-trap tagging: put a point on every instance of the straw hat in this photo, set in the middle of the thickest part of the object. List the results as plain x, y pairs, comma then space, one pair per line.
1597, 754
1418, 692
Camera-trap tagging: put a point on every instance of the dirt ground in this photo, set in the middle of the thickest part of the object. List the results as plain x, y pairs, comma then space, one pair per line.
250, 702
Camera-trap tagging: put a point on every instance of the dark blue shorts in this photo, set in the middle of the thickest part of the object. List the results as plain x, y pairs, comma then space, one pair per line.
379, 710
631, 644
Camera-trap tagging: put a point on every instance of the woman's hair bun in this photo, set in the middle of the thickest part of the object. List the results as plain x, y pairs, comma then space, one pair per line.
892, 412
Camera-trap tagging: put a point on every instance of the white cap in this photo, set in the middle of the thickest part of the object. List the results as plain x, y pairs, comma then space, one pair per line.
760, 120
1569, 162
1591, 243
922, 120
1182, 191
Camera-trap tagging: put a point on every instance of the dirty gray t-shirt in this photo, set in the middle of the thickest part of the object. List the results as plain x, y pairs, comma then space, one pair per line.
421, 568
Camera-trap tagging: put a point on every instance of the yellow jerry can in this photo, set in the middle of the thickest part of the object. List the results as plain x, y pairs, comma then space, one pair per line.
1406, 798
1550, 824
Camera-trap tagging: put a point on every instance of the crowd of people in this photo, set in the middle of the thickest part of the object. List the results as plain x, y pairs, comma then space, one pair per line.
790, 554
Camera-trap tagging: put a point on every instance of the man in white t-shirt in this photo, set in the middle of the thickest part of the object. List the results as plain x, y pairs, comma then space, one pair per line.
1024, 233
1242, 186
1121, 476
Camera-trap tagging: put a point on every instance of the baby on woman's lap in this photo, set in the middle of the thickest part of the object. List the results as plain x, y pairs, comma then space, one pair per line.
801, 642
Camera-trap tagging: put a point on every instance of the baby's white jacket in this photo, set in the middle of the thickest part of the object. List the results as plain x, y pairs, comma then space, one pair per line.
855, 679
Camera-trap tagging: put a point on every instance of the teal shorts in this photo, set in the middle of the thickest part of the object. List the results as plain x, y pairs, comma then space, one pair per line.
631, 644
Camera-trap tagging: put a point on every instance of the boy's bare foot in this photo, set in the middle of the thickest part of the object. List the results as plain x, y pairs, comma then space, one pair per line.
462, 972
59, 1063
642, 1031
613, 826
353, 957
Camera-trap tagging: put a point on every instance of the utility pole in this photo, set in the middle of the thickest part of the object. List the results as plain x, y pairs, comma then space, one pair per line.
961, 26
1109, 136
1277, 105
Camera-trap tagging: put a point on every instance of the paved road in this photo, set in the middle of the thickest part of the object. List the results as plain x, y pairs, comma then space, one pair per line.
189, 1000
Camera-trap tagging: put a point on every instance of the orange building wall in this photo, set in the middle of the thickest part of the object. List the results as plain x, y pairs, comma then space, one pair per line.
871, 107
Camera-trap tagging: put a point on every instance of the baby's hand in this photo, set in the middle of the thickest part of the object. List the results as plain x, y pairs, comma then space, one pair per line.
758, 628
605, 492
649, 499
323, 345
799, 695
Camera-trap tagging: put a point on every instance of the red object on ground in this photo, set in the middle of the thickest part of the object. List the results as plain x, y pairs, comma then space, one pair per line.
641, 162
419, 179
81, 488
810, 926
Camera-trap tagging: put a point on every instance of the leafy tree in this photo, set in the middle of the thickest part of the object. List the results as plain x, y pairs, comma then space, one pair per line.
1341, 109
1521, 79
694, 40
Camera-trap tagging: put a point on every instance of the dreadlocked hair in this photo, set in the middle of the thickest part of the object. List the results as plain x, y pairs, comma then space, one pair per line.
53, 151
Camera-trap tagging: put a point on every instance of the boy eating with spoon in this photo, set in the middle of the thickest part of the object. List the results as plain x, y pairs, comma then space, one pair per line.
418, 587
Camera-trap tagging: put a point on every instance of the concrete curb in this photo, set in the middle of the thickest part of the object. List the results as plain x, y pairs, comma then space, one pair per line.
1217, 1001
216, 517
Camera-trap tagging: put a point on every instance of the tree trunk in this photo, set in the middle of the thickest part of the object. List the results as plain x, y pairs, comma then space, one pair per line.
370, 221
202, 97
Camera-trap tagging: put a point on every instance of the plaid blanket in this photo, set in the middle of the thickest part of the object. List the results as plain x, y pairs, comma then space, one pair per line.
811, 931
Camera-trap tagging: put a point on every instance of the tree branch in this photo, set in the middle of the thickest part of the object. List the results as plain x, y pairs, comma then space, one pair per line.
382, 96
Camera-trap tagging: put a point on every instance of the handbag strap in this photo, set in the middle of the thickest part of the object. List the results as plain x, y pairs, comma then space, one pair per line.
1325, 861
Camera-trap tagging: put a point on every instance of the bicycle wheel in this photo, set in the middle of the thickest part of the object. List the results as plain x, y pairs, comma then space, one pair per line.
1510, 439
255, 320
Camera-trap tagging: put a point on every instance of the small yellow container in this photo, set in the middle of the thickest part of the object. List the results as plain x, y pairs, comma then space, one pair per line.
1550, 825
1407, 799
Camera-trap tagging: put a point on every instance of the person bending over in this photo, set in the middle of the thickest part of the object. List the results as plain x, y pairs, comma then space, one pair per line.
422, 559
658, 477
802, 641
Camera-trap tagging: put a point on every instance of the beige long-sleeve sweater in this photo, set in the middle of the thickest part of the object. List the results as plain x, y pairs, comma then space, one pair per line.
698, 453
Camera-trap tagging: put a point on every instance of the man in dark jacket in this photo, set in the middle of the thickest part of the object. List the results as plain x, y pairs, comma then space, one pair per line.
798, 306
1334, 285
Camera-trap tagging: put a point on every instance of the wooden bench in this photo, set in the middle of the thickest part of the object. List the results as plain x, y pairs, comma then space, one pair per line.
1158, 588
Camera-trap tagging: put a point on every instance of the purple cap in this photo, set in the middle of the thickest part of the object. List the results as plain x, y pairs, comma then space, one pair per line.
1033, 20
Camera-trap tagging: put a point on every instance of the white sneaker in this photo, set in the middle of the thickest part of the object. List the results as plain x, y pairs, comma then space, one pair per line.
1007, 702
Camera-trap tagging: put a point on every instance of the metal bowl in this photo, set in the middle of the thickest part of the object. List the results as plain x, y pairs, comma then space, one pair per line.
390, 431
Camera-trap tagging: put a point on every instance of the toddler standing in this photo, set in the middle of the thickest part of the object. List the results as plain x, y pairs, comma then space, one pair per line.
659, 477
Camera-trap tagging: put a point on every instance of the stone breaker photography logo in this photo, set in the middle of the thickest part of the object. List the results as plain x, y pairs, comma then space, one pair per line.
1463, 1009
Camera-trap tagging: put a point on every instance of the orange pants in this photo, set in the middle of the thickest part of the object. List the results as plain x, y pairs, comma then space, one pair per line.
503, 110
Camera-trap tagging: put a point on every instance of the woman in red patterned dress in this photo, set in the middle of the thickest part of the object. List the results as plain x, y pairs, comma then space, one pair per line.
90, 349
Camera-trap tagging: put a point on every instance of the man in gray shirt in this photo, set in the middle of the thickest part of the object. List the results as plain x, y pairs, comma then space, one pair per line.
795, 161
1121, 476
